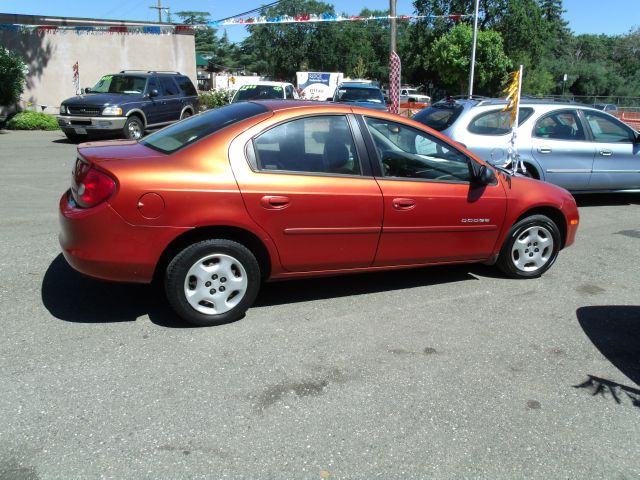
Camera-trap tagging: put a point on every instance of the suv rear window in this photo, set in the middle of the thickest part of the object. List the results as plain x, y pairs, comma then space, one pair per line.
439, 116
186, 86
184, 133
496, 122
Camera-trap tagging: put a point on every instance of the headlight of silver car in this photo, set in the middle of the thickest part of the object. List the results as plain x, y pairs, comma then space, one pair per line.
112, 111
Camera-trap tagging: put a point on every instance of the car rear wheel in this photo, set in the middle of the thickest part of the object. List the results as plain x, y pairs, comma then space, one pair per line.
531, 247
212, 282
134, 128
185, 114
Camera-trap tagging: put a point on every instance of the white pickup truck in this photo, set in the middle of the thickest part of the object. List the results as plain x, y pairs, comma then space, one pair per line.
408, 94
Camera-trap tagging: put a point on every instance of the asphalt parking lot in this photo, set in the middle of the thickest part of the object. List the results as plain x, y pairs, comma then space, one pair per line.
449, 372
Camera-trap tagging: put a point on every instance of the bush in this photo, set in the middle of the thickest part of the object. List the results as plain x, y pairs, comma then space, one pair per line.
214, 99
12, 77
32, 121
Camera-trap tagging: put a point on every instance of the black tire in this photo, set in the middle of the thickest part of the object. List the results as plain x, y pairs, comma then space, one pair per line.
133, 128
220, 304
531, 172
538, 245
185, 114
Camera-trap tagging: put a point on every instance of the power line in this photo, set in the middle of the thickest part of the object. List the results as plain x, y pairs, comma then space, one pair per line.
250, 11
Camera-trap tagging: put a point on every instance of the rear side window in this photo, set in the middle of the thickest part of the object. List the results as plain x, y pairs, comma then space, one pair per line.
496, 122
439, 116
179, 135
169, 86
322, 144
186, 86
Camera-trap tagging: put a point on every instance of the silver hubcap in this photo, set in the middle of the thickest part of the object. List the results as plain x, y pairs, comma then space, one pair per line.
215, 284
135, 130
532, 249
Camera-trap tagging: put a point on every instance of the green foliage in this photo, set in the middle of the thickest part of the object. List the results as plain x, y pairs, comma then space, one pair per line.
452, 57
12, 77
214, 99
32, 121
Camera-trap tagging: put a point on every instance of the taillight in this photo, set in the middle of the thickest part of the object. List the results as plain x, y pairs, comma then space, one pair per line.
93, 188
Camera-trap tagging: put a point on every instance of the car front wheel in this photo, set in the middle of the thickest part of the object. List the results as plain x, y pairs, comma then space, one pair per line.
212, 282
531, 247
134, 128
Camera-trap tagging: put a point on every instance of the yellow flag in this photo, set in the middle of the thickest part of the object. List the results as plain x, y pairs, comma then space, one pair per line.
512, 91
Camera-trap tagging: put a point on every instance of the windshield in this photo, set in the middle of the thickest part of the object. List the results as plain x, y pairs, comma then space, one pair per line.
125, 84
351, 94
184, 133
440, 116
258, 92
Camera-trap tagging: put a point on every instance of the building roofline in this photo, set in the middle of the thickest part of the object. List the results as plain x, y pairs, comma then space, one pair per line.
19, 19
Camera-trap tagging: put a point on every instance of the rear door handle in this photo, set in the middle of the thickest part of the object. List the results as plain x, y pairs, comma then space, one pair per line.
274, 202
403, 203
605, 153
544, 150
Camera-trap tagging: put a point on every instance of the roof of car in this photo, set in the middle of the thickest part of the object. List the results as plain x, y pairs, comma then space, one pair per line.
268, 83
358, 85
146, 73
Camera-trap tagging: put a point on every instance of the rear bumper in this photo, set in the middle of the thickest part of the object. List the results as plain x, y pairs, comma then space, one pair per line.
99, 243
90, 124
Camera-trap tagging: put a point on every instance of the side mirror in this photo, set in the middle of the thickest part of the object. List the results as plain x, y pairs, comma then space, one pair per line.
153, 93
484, 175
86, 90
637, 140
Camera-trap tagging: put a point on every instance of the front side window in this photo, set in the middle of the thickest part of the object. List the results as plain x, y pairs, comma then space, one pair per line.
607, 130
496, 122
559, 125
123, 84
405, 152
322, 144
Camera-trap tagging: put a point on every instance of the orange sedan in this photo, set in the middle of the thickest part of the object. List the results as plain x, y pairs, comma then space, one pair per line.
254, 191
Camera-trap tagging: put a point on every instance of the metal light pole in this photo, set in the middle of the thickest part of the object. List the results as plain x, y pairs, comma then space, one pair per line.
394, 62
473, 49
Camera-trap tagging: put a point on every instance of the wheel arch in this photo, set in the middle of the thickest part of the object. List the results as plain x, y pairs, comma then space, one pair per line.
242, 236
554, 214
138, 113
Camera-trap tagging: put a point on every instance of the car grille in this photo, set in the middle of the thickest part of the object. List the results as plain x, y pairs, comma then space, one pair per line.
86, 111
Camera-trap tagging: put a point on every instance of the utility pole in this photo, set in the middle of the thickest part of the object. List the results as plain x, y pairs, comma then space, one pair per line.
160, 8
394, 62
473, 48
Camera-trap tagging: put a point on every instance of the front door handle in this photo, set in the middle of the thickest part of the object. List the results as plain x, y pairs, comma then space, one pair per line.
605, 153
274, 202
403, 203
544, 150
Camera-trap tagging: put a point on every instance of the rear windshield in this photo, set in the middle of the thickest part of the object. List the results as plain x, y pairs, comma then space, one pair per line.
184, 133
258, 92
439, 116
355, 94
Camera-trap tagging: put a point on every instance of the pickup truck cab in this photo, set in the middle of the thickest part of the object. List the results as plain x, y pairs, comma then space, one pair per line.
127, 104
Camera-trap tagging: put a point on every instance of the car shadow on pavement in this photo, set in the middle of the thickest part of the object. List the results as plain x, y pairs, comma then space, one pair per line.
615, 332
72, 297
604, 199
292, 291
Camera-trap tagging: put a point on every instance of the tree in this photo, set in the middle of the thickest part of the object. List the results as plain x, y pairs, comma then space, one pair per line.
12, 77
452, 57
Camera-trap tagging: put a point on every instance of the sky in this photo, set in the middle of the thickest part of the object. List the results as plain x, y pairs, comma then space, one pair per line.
612, 17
